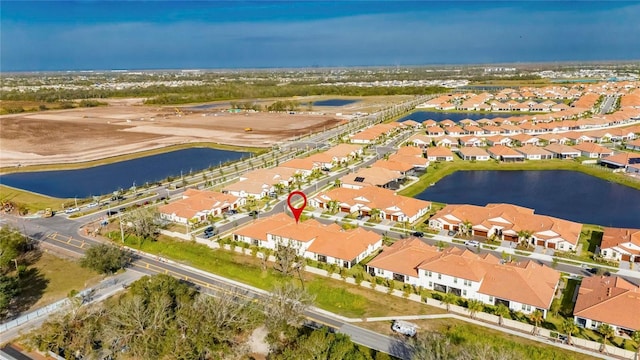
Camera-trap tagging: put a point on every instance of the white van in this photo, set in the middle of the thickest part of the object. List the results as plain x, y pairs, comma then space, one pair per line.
404, 328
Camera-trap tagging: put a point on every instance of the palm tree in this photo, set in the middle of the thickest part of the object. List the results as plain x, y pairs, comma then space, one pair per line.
569, 327
466, 228
525, 235
448, 299
375, 214
607, 333
536, 317
636, 337
474, 306
501, 311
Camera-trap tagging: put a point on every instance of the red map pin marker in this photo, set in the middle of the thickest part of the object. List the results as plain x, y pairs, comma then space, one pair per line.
297, 212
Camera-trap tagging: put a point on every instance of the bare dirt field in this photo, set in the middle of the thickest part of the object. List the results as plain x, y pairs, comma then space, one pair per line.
78, 135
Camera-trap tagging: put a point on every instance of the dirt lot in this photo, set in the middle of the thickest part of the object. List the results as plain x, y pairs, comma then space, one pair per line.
78, 135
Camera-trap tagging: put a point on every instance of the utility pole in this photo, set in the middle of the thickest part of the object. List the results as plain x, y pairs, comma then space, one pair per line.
121, 229
15, 261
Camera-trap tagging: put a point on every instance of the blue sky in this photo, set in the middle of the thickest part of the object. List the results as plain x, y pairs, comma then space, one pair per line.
83, 35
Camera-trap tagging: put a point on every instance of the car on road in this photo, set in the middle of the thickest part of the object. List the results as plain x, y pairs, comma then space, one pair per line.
71, 210
112, 212
209, 232
253, 213
92, 205
472, 243
418, 234
231, 212
451, 233
405, 328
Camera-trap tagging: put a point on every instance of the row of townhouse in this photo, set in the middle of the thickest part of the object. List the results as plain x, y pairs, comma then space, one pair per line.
624, 161
507, 222
524, 286
262, 182
369, 199
608, 300
196, 205
374, 133
311, 239
534, 129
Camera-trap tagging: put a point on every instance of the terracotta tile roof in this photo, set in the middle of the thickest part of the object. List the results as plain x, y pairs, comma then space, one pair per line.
410, 151
330, 240
404, 256
300, 164
615, 236
439, 151
561, 149
592, 148
504, 151
371, 197
472, 151
609, 299
622, 158
195, 201
511, 219
371, 176
532, 150
343, 150
393, 165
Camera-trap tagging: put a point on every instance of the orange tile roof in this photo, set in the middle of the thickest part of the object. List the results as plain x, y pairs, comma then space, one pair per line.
371, 176
373, 197
609, 299
532, 150
473, 151
439, 151
615, 236
592, 148
343, 150
195, 201
404, 256
501, 150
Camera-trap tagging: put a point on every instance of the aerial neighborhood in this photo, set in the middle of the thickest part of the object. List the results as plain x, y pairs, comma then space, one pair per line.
562, 123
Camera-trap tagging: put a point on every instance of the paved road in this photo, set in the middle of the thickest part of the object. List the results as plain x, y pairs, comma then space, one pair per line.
607, 104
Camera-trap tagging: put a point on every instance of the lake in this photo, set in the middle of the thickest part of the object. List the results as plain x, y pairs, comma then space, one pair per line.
105, 179
334, 102
564, 194
421, 116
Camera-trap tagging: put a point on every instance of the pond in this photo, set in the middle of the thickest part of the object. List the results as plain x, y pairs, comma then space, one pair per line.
559, 193
105, 179
421, 116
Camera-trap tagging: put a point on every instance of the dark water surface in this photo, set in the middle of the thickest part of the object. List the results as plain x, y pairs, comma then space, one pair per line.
105, 179
421, 116
560, 193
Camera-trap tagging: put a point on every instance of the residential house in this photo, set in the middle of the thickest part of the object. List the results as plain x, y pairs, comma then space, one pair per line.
421, 141
303, 166
381, 177
311, 239
439, 153
562, 151
628, 162
633, 145
259, 183
608, 300
498, 140
592, 150
524, 287
197, 205
473, 130
445, 141
412, 123
471, 141
504, 153
531, 152
553, 138
524, 139
390, 205
509, 223
621, 244
435, 131
473, 154
342, 153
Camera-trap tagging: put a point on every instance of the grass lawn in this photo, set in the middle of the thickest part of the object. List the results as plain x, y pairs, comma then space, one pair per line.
567, 303
441, 169
461, 332
32, 201
590, 238
333, 295
51, 278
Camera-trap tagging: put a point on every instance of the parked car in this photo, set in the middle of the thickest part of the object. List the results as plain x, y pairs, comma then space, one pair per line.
112, 212
472, 243
209, 232
404, 328
253, 213
451, 233
231, 212
418, 234
360, 217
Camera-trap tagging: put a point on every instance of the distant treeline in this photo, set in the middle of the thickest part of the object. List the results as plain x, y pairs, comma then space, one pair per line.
511, 77
163, 95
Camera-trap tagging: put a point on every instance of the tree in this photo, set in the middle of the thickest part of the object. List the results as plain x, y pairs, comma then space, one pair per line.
448, 299
502, 311
555, 306
288, 257
144, 222
636, 337
607, 333
375, 214
333, 205
431, 346
284, 312
524, 236
536, 317
474, 306
105, 259
12, 245
569, 327
9, 287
